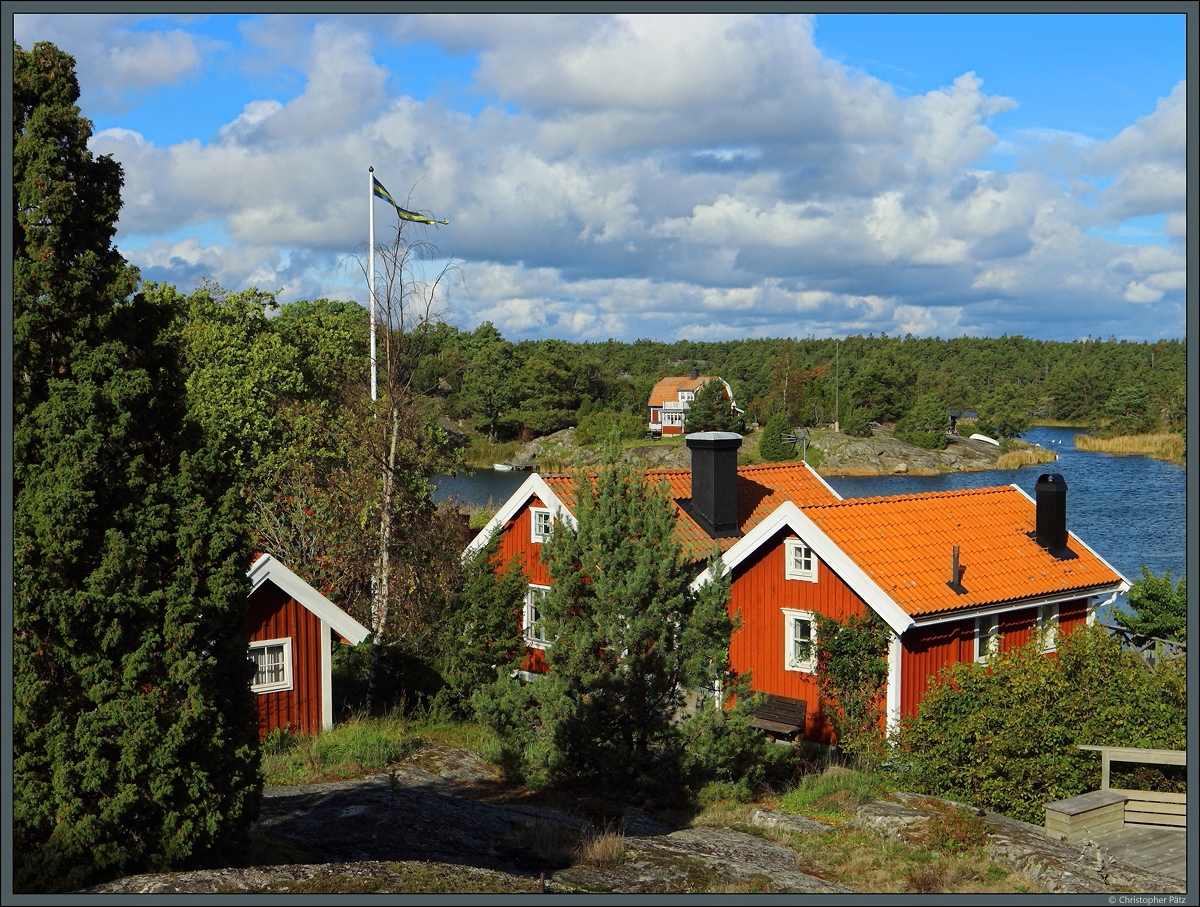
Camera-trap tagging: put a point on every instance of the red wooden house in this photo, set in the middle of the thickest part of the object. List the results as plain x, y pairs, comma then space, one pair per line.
291, 628
671, 398
951, 573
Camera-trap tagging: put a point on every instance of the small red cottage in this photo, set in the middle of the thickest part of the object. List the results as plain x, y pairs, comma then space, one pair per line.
953, 574
671, 398
291, 627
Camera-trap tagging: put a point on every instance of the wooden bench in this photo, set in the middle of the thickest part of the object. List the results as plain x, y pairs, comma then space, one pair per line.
1110, 809
781, 715
1144, 807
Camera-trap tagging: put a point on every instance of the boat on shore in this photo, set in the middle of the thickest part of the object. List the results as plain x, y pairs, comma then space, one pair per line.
515, 467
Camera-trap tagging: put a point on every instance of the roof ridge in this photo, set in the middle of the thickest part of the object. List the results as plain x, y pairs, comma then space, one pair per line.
920, 495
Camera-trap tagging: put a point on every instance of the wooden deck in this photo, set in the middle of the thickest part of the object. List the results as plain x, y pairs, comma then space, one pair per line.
1159, 849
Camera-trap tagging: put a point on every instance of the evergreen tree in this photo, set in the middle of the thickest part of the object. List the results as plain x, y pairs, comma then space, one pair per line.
772, 448
629, 637
925, 425
711, 409
480, 638
135, 746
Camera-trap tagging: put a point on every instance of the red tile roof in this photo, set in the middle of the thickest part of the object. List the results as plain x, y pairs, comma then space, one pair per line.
905, 544
760, 489
667, 390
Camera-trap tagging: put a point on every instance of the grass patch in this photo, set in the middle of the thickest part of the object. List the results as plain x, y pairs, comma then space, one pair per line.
835, 793
1166, 446
352, 749
865, 861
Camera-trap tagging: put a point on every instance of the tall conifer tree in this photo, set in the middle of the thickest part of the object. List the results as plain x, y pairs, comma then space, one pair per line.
134, 741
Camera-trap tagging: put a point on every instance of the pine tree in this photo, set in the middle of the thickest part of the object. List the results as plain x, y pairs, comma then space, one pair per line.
711, 409
772, 448
134, 738
629, 639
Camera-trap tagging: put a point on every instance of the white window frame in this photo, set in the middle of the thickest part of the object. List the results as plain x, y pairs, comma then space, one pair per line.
288, 680
1047, 625
531, 615
541, 524
791, 547
687, 396
790, 661
987, 637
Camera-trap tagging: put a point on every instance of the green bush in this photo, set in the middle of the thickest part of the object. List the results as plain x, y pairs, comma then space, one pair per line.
771, 446
1005, 738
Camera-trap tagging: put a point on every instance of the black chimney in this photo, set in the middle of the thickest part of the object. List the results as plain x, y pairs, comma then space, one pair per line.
695, 373
1050, 494
714, 480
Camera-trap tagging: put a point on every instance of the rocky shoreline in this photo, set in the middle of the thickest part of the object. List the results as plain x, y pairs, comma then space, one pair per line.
841, 454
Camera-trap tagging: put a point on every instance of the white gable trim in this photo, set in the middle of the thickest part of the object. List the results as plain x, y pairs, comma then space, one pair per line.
267, 568
788, 515
534, 486
816, 475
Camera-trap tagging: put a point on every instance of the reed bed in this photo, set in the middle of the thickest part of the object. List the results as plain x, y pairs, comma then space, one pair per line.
482, 453
1025, 456
1165, 446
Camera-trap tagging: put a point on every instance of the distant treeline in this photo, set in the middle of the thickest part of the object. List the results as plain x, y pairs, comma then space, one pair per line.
527, 388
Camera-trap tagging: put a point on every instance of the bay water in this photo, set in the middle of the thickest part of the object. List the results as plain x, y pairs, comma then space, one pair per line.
1131, 510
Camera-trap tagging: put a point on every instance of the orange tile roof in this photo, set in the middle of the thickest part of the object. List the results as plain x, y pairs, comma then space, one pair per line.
760, 489
667, 390
905, 543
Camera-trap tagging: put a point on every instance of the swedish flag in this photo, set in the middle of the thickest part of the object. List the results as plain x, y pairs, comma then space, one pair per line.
404, 213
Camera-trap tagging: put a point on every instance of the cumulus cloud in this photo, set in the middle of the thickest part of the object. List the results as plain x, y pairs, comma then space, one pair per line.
114, 62
650, 176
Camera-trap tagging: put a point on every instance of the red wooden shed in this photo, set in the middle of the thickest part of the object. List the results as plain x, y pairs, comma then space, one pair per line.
291, 628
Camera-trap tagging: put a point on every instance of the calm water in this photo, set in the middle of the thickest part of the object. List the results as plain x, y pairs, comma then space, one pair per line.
1129, 510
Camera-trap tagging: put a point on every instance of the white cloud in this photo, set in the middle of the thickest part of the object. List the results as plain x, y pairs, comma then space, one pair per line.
113, 61
646, 176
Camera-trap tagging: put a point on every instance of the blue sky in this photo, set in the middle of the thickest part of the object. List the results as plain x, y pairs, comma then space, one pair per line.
699, 177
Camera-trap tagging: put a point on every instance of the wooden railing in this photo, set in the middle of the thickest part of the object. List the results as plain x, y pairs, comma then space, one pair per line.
1144, 807
1151, 650
1110, 809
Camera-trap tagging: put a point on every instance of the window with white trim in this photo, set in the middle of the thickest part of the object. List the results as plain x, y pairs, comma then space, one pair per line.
799, 561
1047, 624
987, 637
799, 640
531, 621
542, 522
272, 660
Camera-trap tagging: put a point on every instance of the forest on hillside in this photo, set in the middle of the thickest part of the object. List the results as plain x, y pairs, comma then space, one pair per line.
528, 388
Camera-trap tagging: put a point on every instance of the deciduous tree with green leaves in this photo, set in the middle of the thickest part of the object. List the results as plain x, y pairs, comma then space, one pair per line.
852, 670
1160, 607
135, 744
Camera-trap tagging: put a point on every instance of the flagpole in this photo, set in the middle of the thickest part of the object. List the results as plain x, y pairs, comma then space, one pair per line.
371, 265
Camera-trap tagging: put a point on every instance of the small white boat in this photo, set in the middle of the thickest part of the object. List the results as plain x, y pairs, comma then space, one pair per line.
502, 467
985, 439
